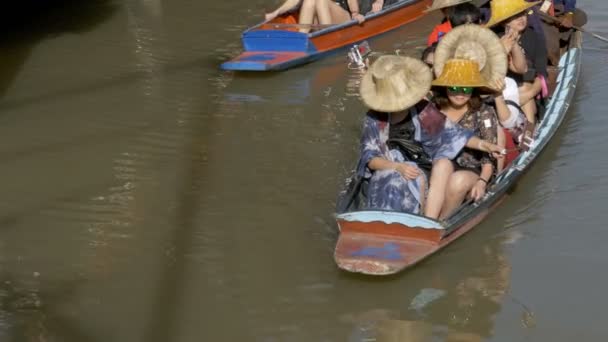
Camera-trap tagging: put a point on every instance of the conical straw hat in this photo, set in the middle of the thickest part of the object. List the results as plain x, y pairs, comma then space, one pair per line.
394, 83
461, 73
505, 9
439, 4
476, 43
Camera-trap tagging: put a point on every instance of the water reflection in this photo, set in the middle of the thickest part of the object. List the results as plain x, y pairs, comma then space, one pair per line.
450, 302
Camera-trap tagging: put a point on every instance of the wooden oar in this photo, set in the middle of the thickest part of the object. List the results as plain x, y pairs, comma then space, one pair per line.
578, 28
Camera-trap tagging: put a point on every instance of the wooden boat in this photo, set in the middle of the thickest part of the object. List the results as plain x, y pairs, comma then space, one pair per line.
278, 45
382, 243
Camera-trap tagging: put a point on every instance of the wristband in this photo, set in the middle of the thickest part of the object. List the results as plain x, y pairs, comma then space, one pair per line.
483, 180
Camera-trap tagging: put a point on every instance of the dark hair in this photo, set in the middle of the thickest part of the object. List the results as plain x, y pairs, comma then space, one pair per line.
429, 50
466, 13
441, 98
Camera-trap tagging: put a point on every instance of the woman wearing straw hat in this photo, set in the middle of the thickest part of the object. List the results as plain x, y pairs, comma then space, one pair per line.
512, 15
469, 172
402, 135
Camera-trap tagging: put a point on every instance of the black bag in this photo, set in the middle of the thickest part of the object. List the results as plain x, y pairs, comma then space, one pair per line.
401, 137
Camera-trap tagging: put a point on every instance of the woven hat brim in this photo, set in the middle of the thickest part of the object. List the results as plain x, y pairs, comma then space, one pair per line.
494, 20
391, 104
496, 58
434, 8
459, 83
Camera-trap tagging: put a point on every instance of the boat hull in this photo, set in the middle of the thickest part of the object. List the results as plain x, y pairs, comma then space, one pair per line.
375, 243
269, 49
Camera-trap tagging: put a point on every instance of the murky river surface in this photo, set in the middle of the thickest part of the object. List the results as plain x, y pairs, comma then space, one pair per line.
149, 196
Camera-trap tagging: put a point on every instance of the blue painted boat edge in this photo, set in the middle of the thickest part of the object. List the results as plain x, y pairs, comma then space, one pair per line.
388, 217
235, 65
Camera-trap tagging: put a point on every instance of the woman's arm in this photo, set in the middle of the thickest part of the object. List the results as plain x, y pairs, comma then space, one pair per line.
406, 170
518, 63
485, 146
502, 109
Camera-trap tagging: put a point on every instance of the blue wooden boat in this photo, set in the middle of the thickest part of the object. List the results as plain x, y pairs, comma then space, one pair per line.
275, 45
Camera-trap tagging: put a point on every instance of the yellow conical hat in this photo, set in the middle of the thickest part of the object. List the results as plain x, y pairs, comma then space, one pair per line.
461, 73
505, 9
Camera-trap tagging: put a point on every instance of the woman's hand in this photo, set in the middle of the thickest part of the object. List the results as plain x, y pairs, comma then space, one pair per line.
509, 40
498, 85
358, 17
408, 171
496, 150
478, 190
377, 6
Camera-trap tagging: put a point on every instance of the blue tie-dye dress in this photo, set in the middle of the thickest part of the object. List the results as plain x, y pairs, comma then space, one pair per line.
388, 189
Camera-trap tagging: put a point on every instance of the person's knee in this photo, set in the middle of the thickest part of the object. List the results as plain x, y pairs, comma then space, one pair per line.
458, 184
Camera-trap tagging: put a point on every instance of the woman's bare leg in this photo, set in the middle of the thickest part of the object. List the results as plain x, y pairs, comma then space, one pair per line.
527, 93
440, 174
307, 14
326, 12
459, 185
338, 15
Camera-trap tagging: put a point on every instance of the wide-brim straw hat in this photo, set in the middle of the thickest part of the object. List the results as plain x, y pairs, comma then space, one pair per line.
475, 43
439, 4
504, 9
461, 73
394, 83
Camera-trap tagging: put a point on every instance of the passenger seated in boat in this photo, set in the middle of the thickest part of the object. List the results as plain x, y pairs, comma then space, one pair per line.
390, 87
457, 93
446, 7
328, 12
512, 15
483, 46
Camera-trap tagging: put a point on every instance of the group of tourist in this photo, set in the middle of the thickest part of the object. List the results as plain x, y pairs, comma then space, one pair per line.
437, 129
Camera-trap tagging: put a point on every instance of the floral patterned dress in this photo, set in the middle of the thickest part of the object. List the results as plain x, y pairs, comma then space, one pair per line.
388, 189
483, 123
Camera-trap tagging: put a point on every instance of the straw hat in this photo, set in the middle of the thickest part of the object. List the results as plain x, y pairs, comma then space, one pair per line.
394, 83
439, 4
475, 43
504, 9
461, 73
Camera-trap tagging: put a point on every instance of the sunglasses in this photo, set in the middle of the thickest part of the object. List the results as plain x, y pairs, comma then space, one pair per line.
461, 90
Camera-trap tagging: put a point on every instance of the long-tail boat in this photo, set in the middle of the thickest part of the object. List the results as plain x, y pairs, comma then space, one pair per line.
278, 44
382, 242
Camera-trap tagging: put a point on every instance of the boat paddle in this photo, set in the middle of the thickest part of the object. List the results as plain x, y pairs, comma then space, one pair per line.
578, 28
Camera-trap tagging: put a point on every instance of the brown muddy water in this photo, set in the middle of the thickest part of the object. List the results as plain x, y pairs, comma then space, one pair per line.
149, 196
